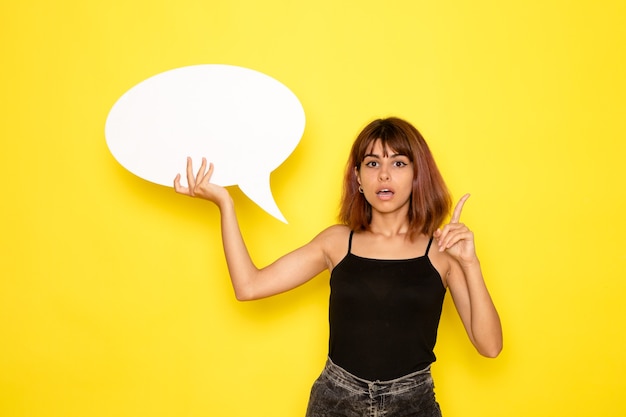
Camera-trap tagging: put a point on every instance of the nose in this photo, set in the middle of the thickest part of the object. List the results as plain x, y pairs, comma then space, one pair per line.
383, 175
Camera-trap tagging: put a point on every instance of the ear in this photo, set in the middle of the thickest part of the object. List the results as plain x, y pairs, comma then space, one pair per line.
356, 174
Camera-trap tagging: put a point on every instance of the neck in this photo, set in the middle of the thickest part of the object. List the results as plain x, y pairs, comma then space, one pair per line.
389, 224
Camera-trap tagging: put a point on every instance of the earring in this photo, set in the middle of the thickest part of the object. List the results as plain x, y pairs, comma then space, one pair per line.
360, 189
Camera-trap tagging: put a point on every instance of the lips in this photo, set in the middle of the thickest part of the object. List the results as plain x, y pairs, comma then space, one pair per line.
385, 193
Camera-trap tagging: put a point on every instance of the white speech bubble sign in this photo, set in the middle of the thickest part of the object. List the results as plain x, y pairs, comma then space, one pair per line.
245, 122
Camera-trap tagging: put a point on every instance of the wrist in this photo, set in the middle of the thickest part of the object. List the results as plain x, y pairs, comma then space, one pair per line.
226, 203
470, 264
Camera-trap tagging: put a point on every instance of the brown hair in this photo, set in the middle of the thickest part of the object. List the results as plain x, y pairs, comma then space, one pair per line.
430, 200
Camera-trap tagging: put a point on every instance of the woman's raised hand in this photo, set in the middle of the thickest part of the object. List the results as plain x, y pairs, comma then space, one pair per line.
457, 239
200, 185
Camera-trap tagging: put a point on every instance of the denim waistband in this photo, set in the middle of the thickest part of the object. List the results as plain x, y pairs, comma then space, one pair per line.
359, 385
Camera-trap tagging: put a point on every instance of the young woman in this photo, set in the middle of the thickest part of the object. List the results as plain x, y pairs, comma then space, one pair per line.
390, 262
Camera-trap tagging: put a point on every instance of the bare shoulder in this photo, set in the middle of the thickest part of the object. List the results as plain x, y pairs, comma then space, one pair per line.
335, 231
335, 235
334, 243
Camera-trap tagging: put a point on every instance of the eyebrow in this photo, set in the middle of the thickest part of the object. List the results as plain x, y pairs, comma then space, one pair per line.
373, 155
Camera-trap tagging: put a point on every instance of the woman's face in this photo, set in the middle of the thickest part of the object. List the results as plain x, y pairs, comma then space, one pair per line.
387, 179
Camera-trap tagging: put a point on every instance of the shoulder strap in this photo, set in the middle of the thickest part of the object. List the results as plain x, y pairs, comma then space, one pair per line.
428, 247
350, 241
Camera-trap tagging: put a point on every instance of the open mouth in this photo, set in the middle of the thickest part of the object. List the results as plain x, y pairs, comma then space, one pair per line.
384, 192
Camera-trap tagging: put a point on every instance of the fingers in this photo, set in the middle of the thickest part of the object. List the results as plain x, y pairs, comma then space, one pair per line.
191, 182
194, 181
179, 188
204, 176
456, 216
200, 175
452, 234
455, 232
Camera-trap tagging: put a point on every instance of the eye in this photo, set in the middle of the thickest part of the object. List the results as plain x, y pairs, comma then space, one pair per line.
399, 164
371, 164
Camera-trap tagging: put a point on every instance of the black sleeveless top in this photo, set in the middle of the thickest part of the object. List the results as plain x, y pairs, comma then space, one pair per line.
384, 315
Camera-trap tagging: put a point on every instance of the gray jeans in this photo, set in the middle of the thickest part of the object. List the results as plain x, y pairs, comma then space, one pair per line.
337, 393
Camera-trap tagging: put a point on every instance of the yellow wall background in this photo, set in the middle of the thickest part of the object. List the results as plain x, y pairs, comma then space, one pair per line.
114, 296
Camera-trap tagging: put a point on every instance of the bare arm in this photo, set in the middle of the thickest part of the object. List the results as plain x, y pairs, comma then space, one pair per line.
250, 282
467, 286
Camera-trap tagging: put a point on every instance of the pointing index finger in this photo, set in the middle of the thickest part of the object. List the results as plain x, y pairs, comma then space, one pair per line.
456, 216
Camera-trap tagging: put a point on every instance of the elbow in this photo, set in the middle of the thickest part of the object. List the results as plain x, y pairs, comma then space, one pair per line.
491, 351
244, 288
246, 294
243, 296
